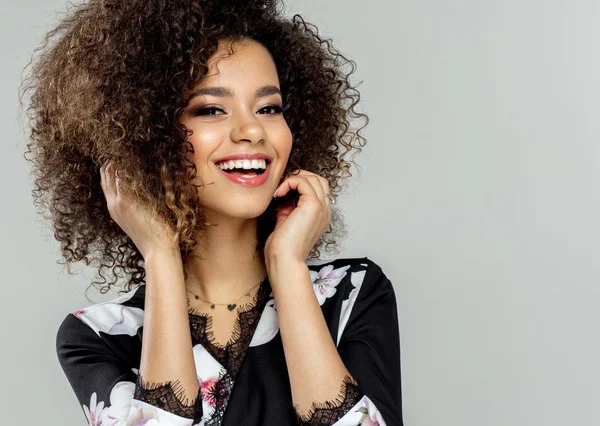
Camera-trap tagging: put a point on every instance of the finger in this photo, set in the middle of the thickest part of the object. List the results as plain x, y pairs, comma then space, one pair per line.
324, 189
297, 183
327, 190
104, 177
323, 182
114, 179
110, 191
314, 181
117, 182
321, 186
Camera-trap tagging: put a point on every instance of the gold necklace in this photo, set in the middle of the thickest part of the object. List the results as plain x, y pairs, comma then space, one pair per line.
230, 306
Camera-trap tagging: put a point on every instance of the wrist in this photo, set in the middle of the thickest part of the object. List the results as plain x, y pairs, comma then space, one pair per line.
162, 255
282, 272
292, 289
275, 264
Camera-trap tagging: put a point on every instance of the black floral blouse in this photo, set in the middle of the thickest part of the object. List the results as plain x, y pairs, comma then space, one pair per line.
245, 382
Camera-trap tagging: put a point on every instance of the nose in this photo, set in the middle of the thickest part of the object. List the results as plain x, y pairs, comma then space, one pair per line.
248, 129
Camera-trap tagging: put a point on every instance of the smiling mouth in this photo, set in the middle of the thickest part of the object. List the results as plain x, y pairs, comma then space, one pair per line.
244, 168
248, 173
244, 173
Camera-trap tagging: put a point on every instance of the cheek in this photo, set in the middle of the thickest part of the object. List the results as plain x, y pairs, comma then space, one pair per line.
205, 140
284, 142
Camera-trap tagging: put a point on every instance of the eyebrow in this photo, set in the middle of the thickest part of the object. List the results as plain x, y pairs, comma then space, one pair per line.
224, 92
267, 91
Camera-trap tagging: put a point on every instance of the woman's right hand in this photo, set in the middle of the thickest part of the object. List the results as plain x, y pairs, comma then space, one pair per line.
147, 231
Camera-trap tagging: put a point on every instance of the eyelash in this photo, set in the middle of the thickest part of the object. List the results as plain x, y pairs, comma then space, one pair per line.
211, 111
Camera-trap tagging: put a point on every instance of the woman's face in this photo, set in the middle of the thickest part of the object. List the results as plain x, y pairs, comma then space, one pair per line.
241, 140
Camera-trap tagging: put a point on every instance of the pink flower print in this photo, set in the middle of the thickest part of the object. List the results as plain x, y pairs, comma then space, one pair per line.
207, 390
94, 413
326, 280
79, 313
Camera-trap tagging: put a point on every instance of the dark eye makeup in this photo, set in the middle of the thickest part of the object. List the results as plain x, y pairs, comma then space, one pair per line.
204, 111
273, 109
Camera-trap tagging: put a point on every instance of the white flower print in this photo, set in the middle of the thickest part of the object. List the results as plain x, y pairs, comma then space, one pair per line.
144, 414
326, 280
374, 417
121, 397
145, 422
347, 305
94, 412
364, 413
268, 325
126, 411
317, 262
112, 318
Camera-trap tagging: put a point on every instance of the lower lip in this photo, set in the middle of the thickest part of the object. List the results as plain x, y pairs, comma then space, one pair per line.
253, 181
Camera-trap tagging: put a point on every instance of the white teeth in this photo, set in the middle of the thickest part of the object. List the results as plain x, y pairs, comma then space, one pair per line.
242, 164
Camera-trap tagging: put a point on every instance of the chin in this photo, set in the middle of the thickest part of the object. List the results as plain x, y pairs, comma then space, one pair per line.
239, 209
247, 213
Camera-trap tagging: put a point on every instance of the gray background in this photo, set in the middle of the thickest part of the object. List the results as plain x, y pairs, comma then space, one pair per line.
479, 196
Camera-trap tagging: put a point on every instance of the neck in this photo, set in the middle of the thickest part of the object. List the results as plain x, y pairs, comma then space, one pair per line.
225, 263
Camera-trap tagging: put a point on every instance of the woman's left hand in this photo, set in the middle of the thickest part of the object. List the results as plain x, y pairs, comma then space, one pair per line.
299, 228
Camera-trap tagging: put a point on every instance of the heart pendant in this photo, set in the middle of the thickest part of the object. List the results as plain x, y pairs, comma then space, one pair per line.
231, 307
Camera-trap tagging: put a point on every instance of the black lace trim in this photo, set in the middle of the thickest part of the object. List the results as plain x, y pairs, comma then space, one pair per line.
230, 355
169, 396
329, 412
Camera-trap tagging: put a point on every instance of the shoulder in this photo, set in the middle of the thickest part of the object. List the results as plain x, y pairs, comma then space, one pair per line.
352, 276
122, 315
364, 262
361, 267
354, 293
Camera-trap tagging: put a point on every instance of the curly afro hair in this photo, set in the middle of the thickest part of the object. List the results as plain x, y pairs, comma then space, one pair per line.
108, 84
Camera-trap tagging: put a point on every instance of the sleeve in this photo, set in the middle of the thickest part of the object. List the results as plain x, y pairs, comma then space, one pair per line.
109, 391
370, 349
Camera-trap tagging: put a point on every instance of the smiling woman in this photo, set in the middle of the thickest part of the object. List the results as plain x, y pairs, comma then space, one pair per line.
197, 147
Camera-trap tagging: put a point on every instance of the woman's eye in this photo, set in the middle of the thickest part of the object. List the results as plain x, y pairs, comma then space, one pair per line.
271, 109
207, 111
